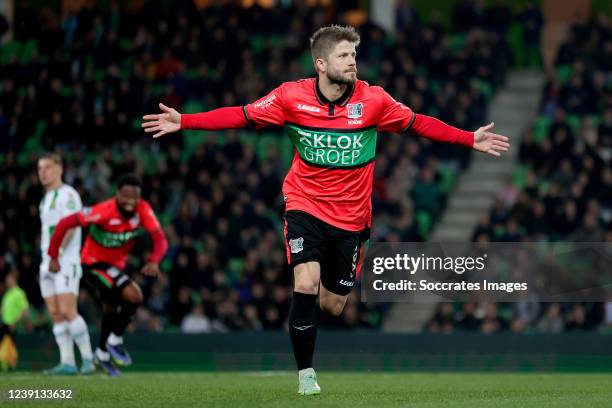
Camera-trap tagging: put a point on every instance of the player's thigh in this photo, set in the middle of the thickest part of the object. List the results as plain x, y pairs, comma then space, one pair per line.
67, 305
67, 280
306, 277
339, 270
331, 303
52, 306
100, 281
46, 281
304, 239
130, 291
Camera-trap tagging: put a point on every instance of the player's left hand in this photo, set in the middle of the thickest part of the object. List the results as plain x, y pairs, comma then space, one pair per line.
151, 269
490, 143
54, 266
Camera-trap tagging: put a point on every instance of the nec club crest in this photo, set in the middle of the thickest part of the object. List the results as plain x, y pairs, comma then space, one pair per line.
354, 110
296, 245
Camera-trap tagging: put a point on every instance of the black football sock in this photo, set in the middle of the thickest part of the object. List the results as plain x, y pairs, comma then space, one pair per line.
109, 316
124, 318
303, 328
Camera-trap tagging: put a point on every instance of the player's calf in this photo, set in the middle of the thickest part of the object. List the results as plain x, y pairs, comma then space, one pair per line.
331, 303
129, 305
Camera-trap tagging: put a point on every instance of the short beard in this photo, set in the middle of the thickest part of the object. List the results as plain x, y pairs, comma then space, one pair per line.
338, 79
126, 214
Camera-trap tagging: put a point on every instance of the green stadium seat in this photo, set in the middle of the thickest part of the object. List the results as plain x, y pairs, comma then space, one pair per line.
541, 126
234, 269
597, 119
257, 44
32, 144
306, 62
10, 50
125, 43
564, 73
448, 176
28, 50
456, 42
520, 176
574, 121
424, 223
485, 87
514, 37
264, 142
192, 138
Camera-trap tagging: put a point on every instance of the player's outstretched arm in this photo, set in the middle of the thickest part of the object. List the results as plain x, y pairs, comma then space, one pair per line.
170, 121
160, 247
481, 140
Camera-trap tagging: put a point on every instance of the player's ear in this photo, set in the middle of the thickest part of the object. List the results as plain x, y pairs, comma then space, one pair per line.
320, 65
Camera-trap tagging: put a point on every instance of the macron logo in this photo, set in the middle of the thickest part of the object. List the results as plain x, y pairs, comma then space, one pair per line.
308, 108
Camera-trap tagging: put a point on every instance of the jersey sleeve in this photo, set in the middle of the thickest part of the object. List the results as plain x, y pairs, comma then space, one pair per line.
92, 215
394, 116
147, 217
71, 203
267, 111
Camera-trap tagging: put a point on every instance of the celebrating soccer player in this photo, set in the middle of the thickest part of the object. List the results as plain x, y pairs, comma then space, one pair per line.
114, 226
332, 121
60, 287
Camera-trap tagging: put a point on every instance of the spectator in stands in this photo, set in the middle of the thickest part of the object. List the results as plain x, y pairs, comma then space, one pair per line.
196, 322
491, 321
532, 22
443, 320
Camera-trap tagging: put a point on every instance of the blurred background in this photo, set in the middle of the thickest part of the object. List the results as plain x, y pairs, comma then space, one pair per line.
77, 75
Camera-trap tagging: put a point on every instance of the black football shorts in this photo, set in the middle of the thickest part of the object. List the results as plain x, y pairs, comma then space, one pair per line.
105, 282
339, 252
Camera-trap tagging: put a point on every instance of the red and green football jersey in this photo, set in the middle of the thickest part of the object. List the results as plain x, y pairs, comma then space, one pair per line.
334, 146
111, 235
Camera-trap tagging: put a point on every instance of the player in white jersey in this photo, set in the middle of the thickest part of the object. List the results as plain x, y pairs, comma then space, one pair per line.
60, 290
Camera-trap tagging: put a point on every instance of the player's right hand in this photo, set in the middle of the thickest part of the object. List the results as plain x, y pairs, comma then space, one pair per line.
151, 269
54, 266
167, 122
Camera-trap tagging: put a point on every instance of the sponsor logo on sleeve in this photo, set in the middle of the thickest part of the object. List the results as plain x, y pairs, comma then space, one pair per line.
265, 103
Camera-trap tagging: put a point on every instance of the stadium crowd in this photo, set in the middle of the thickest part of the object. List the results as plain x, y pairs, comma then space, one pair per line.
77, 83
563, 190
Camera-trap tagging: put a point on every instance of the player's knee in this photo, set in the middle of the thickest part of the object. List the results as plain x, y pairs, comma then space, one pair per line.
67, 312
306, 286
55, 314
132, 294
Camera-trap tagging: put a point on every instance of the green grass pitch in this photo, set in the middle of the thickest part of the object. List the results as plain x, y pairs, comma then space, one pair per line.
339, 389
